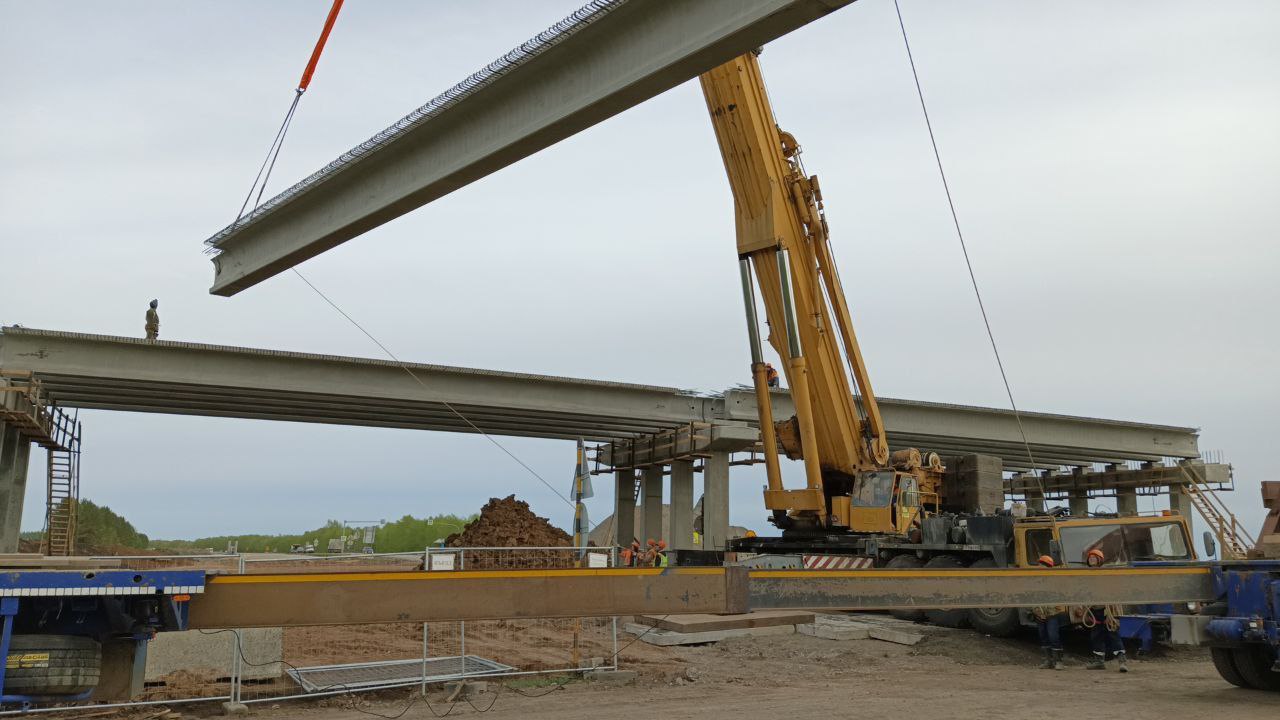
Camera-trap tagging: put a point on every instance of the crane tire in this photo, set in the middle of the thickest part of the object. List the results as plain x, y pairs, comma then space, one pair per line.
947, 618
1254, 663
52, 664
996, 622
1225, 663
906, 562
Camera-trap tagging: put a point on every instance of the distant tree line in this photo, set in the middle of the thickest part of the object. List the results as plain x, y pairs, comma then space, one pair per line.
98, 527
408, 534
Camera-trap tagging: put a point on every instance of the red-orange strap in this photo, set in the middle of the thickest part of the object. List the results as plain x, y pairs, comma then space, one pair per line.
315, 54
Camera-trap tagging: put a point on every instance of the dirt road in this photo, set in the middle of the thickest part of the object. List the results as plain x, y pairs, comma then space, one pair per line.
952, 674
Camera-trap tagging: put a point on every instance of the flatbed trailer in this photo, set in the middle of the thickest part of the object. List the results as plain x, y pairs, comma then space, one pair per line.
111, 614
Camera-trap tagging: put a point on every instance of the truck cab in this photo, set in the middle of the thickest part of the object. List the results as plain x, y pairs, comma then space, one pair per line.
1122, 540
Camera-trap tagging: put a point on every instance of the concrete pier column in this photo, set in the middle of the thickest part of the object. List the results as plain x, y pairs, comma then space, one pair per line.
681, 529
15, 452
715, 501
1180, 502
651, 514
1127, 502
1035, 499
624, 507
1078, 501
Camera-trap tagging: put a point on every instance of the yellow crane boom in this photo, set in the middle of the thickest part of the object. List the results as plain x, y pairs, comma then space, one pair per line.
783, 241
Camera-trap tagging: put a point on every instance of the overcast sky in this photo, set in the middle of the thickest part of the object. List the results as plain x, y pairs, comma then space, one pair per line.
1116, 167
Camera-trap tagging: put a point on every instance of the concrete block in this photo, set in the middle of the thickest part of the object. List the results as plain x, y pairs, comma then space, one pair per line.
666, 638
612, 677
887, 628
828, 631
234, 708
706, 623
893, 635
460, 689
210, 653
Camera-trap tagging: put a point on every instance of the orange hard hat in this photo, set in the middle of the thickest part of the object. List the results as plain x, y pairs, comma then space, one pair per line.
1095, 553
651, 543
662, 544
1046, 561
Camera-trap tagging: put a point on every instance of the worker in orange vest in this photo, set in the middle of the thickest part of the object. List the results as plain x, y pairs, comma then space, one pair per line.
629, 553
770, 375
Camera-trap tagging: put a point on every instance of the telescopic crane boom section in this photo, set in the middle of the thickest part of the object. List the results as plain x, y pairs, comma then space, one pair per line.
782, 240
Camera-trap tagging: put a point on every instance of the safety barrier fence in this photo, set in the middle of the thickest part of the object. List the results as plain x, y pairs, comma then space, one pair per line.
272, 664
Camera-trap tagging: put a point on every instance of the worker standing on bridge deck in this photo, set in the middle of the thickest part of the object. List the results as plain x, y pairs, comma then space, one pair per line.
1049, 625
770, 375
153, 321
1103, 622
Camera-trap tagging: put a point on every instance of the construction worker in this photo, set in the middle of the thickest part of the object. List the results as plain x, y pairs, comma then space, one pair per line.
1049, 625
1103, 622
650, 554
770, 375
661, 558
629, 554
153, 321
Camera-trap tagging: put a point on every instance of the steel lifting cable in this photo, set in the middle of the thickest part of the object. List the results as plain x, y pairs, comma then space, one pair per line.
964, 249
269, 163
273, 152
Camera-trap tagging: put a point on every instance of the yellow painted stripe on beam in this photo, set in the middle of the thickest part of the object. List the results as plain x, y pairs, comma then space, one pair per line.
456, 575
1010, 572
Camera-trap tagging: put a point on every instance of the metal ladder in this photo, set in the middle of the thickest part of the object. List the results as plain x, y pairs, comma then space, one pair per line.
63, 491
1233, 540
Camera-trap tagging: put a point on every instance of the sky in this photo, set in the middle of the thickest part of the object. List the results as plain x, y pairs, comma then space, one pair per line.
1115, 168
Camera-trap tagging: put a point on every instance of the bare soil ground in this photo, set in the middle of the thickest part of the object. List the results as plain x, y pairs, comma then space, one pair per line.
951, 674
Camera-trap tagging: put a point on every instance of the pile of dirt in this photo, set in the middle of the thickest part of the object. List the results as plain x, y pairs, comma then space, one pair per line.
509, 522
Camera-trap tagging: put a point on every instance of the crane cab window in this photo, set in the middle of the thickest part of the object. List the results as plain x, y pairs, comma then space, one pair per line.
873, 489
1126, 543
1037, 542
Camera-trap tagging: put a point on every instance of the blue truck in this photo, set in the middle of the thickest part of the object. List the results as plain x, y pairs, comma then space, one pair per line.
73, 635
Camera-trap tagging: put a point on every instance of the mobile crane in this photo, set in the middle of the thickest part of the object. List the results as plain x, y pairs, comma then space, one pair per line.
853, 484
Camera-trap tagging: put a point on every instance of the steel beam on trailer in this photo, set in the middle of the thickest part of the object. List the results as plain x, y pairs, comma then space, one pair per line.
239, 601
622, 57
236, 601
893, 589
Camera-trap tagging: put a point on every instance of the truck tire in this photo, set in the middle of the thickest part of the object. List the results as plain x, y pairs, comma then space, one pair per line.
947, 618
1254, 663
996, 622
1224, 661
906, 562
52, 665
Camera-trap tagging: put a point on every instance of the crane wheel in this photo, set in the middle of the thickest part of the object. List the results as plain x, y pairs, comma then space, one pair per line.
1254, 663
996, 622
1225, 662
906, 562
947, 618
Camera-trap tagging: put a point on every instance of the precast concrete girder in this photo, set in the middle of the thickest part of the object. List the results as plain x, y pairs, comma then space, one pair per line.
955, 429
129, 374
622, 54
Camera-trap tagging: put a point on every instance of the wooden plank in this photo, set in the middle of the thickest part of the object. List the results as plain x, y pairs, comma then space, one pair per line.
711, 623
